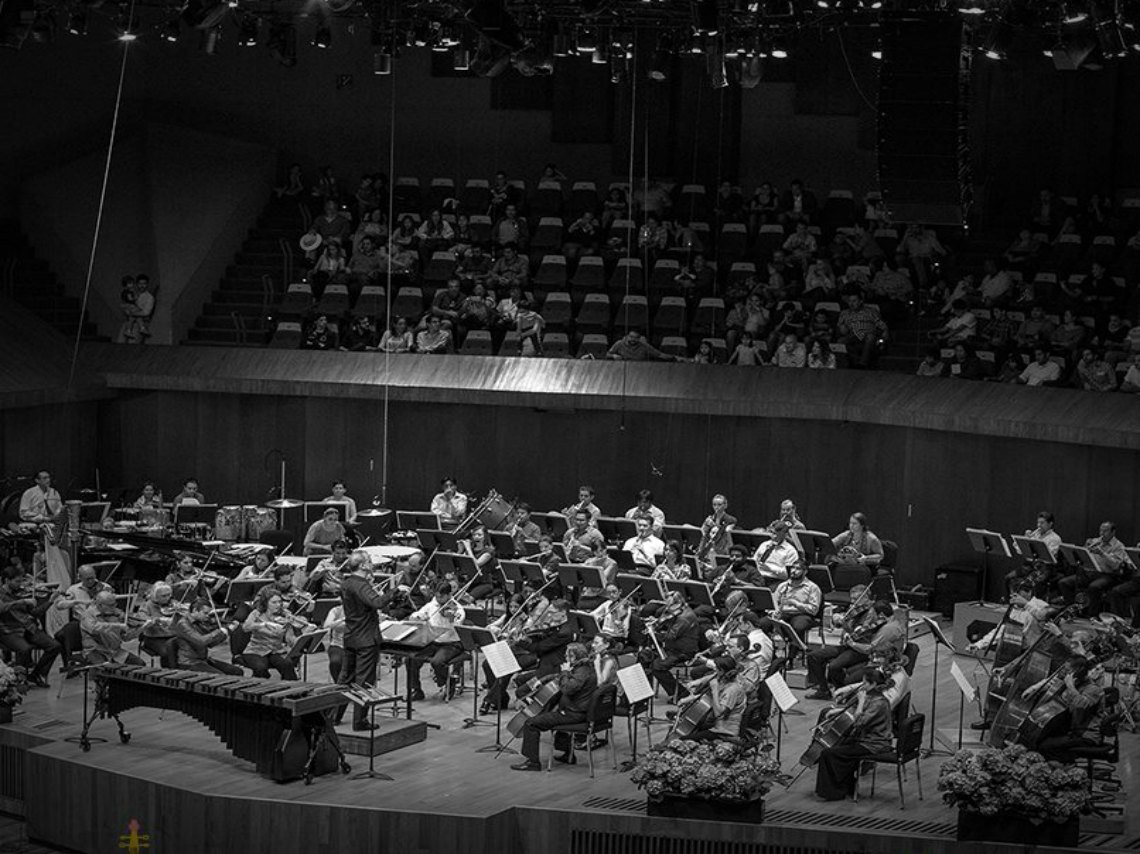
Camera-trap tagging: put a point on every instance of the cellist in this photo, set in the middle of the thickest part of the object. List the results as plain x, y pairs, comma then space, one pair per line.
869, 734
727, 700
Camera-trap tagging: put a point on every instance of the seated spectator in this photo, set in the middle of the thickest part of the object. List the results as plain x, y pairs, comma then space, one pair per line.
653, 199
434, 338
1094, 373
1070, 335
861, 328
550, 172
330, 267
801, 245
840, 252
965, 290
782, 276
327, 188
892, 290
1041, 370
1048, 212
696, 280
863, 243
1131, 382
507, 309
405, 238
582, 236
684, 238
510, 269
403, 262
446, 305
820, 328
366, 198
511, 229
791, 353
1096, 218
1022, 250
633, 348
797, 204
820, 355
819, 282
996, 285
321, 336
435, 234
763, 207
332, 225
931, 364
652, 238
961, 326
1010, 370
366, 264
374, 225
478, 310
998, 333
728, 204
922, 248
746, 352
474, 266
503, 194
966, 365
705, 354
397, 337
615, 206
529, 325
1103, 291
1035, 330
361, 335
294, 185
465, 239
1113, 339
748, 314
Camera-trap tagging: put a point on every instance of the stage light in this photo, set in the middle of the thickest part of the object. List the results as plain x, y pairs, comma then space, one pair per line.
77, 23
997, 42
248, 30
171, 30
779, 50
323, 36
662, 59
972, 9
598, 57
706, 14
1073, 13
877, 53
127, 28
587, 40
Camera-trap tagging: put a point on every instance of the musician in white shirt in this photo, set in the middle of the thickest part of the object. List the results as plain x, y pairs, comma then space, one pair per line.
775, 556
40, 503
450, 505
1045, 533
189, 494
645, 506
613, 614
647, 550
585, 502
442, 614
1110, 558
340, 495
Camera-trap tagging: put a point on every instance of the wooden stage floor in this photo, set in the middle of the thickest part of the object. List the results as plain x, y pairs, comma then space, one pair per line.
190, 794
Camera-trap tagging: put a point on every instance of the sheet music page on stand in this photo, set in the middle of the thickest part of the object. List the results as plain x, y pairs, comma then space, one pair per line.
781, 693
964, 683
635, 683
500, 659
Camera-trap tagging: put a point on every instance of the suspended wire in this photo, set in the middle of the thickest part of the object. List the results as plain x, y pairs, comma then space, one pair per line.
851, 72
102, 204
388, 287
633, 235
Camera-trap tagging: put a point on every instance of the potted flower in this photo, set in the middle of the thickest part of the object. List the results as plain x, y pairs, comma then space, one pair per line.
13, 687
718, 781
1015, 795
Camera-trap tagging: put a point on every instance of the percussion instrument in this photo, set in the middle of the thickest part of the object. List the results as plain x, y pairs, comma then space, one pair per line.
494, 511
258, 519
283, 727
383, 555
126, 515
228, 523
154, 517
404, 539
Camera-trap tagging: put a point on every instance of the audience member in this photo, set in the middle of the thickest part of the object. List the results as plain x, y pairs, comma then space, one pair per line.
1041, 370
861, 328
1094, 373
397, 337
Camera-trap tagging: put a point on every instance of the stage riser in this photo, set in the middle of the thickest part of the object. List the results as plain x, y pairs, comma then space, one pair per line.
393, 733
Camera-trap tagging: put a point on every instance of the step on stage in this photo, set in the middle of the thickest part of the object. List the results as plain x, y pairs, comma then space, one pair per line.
179, 785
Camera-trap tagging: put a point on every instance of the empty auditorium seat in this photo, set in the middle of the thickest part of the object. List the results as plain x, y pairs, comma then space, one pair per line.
628, 277
406, 194
590, 274
298, 299
556, 344
769, 239
480, 228
475, 197
583, 197
675, 345
547, 235
693, 202
439, 191
371, 302
632, 313
334, 301
551, 273
477, 343
594, 315
287, 335
440, 267
594, 344
670, 317
510, 345
547, 200
409, 303
732, 242
709, 317
740, 271
664, 276
838, 210
625, 230
556, 309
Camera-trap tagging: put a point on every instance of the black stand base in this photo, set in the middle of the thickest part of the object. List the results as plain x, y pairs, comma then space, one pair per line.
371, 773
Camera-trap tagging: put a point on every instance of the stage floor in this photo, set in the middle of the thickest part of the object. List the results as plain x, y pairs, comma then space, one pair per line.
447, 776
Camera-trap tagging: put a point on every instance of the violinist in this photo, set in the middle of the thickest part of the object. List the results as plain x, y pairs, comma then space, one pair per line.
157, 612
728, 699
789, 517
1110, 558
478, 547
75, 600
323, 533
361, 603
272, 630
577, 682
523, 530
585, 502
579, 539
797, 602
20, 628
613, 616
605, 662
186, 580
509, 628
257, 569
1080, 693
672, 566
748, 673
645, 547
858, 545
646, 507
716, 530
327, 576
874, 631
775, 556
548, 559
296, 601
870, 734
105, 629
590, 597
442, 614
678, 633
195, 633
545, 638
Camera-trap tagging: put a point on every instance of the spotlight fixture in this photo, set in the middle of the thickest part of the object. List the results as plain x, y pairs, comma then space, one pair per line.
127, 28
587, 40
997, 42
323, 36
662, 59
779, 50
1073, 13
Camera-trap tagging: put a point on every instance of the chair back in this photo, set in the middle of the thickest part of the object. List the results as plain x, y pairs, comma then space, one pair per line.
900, 713
910, 653
280, 540
890, 554
602, 705
910, 737
752, 720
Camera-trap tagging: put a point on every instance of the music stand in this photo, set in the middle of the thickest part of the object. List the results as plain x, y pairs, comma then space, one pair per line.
624, 560
533, 573
304, 646
985, 543
750, 540
1032, 549
583, 624
650, 588
501, 659
759, 598
638, 689
1080, 557
607, 527
472, 639
821, 577
475, 616
370, 697
321, 506
429, 538
504, 544
512, 574
83, 739
321, 608
939, 641
240, 592
465, 566
815, 546
578, 575
94, 512
1133, 556
196, 514
696, 593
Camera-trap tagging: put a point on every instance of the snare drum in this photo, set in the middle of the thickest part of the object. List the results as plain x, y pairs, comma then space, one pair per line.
228, 523
258, 519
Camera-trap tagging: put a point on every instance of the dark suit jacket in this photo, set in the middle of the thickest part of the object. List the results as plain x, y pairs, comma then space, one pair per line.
361, 602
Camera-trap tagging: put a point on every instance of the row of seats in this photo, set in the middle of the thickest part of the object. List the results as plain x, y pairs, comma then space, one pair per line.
1071, 251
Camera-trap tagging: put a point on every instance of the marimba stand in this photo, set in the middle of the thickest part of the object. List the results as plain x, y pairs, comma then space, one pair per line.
84, 740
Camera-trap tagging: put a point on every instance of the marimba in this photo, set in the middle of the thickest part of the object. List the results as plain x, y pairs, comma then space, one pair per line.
283, 727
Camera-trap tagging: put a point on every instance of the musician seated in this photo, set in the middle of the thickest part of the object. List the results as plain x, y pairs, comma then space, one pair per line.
340, 495
797, 603
741, 569
646, 507
673, 566
545, 637
328, 575
577, 682
442, 614
579, 539
190, 495
893, 665
738, 647
613, 616
548, 559
646, 549
1044, 532
1124, 598
195, 634
585, 502
523, 530
187, 580
1080, 699
788, 516
74, 601
1026, 611
323, 533
258, 568
874, 629
775, 556
157, 611
508, 628
20, 628
727, 698
1111, 559
272, 631
716, 529
105, 629
870, 733
478, 545
591, 597
858, 545
151, 497
449, 505
678, 633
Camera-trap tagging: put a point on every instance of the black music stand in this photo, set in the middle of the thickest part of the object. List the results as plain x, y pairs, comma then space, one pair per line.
607, 527
533, 573
512, 575
370, 698
239, 592
650, 589
751, 540
304, 646
475, 616
473, 639
503, 665
196, 514
504, 544
624, 561
1033, 549
986, 543
939, 640
696, 593
321, 609
583, 624
635, 685
577, 576
815, 546
759, 598
1080, 557
83, 739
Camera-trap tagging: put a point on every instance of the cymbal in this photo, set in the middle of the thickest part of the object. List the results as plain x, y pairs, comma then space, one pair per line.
284, 503
375, 511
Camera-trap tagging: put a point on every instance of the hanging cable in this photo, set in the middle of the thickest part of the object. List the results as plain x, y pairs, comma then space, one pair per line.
102, 203
388, 287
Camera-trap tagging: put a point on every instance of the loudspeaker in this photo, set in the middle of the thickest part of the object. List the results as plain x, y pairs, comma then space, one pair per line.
920, 116
955, 583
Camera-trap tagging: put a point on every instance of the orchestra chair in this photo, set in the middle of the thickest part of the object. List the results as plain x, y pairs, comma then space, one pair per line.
599, 719
908, 748
280, 540
910, 653
883, 584
843, 578
636, 714
754, 724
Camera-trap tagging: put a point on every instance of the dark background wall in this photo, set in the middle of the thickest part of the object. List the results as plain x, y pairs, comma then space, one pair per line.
919, 487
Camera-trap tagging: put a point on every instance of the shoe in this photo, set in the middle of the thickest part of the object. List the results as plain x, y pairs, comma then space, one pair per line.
818, 694
527, 766
417, 694
365, 726
980, 725
452, 688
566, 758
38, 682
596, 742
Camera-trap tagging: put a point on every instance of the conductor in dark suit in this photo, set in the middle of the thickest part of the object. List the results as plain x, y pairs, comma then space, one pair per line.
361, 634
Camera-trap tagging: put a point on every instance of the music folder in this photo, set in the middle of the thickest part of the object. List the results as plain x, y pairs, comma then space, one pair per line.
988, 542
1080, 556
759, 599
1034, 549
650, 588
583, 623
696, 593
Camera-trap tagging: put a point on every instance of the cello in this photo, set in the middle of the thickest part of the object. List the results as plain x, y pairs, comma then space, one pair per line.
537, 695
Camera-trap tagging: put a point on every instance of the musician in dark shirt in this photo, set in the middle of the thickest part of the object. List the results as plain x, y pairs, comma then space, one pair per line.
20, 629
577, 682
870, 734
1066, 706
678, 632
361, 603
195, 634
862, 635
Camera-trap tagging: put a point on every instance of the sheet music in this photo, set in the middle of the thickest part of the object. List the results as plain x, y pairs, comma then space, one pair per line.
964, 684
500, 659
781, 693
635, 683
394, 630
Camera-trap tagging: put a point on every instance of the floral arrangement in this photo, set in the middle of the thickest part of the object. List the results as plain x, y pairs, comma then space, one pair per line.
13, 684
715, 770
1014, 780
